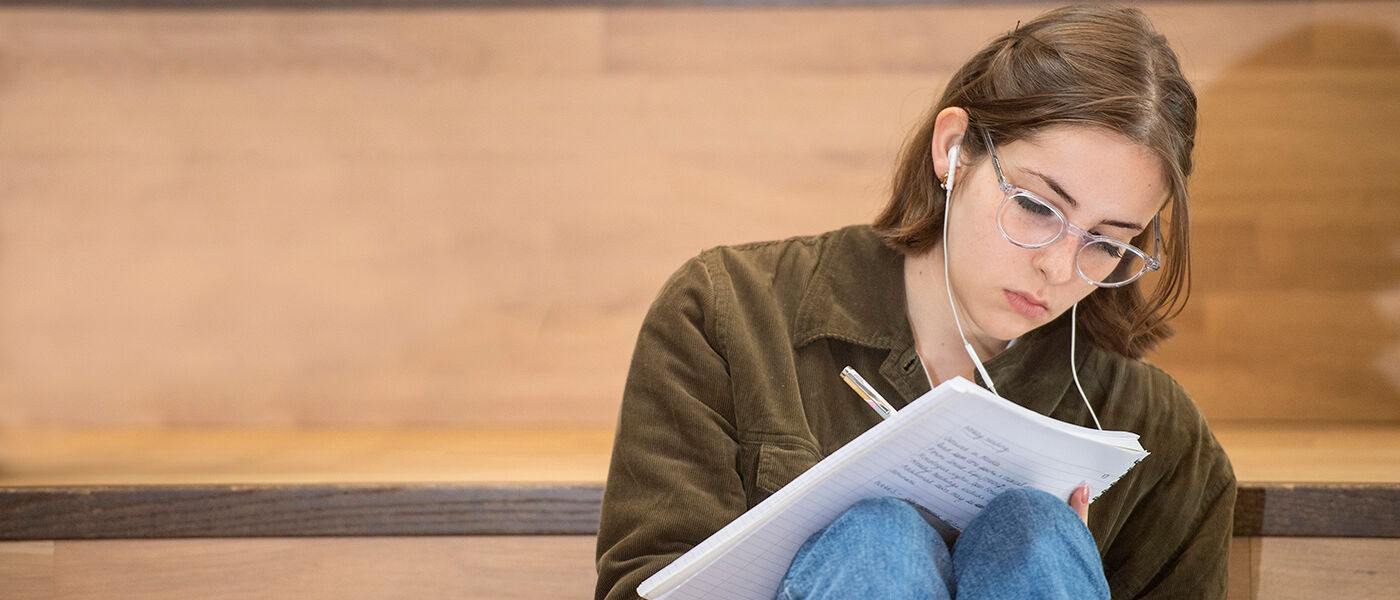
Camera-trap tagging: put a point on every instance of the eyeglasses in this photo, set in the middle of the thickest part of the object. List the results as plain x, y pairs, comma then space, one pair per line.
1028, 221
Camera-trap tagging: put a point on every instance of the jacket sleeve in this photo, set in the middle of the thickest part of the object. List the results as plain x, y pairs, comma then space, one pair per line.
1176, 544
673, 479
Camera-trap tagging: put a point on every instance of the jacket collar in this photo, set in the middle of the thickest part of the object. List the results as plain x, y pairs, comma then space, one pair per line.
857, 295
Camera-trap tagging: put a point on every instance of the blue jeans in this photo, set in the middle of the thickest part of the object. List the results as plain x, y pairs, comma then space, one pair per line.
1025, 544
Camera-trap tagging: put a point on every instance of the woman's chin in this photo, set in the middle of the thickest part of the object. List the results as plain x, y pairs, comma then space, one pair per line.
1013, 326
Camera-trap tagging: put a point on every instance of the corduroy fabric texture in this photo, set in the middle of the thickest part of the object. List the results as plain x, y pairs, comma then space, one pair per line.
734, 391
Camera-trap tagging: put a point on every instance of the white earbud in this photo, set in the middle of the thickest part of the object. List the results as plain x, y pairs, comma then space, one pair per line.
952, 166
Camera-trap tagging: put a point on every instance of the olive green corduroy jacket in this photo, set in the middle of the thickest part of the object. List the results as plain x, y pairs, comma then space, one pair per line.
734, 391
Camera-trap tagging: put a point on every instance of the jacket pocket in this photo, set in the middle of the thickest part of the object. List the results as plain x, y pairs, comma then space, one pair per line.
778, 465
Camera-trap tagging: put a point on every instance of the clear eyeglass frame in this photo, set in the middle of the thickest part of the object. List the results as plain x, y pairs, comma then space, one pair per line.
1151, 262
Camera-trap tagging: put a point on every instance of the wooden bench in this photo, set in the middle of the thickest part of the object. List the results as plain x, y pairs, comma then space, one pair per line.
512, 514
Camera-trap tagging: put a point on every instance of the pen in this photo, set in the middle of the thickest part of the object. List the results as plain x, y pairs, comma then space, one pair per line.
867, 393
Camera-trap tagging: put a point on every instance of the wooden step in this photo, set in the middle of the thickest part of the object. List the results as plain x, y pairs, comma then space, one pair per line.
292, 510
521, 567
1325, 480
423, 568
482, 513
1341, 452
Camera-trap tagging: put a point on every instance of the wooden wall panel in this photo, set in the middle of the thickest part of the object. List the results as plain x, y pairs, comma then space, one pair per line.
1299, 228
784, 42
458, 217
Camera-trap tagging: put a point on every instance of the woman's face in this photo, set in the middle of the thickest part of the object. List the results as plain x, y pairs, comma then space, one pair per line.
1099, 180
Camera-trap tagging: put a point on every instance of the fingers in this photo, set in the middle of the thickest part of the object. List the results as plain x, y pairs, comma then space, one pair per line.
1079, 501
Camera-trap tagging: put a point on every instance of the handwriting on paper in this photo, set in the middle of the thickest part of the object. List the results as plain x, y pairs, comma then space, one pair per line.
963, 466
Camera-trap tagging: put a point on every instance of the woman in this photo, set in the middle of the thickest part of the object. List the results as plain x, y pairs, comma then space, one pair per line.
1064, 147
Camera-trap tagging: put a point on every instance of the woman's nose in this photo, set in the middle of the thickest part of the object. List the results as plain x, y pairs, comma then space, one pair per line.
1056, 261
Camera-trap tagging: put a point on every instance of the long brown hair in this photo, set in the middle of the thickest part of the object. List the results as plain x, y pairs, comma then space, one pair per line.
1094, 66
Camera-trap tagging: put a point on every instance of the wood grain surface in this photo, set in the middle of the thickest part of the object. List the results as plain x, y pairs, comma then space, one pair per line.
49, 457
219, 227
1327, 480
504, 568
438, 4
1259, 451
458, 217
471, 567
170, 511
1318, 510
1303, 568
111, 512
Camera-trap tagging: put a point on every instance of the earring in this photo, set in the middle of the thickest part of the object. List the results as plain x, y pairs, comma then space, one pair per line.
943, 182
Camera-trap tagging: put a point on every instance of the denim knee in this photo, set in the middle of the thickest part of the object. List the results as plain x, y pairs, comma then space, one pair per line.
1030, 542
886, 512
880, 523
1029, 504
877, 548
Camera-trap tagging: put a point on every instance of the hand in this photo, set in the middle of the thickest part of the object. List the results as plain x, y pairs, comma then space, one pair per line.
1079, 501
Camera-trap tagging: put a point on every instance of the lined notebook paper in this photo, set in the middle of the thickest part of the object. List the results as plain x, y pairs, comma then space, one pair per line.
950, 451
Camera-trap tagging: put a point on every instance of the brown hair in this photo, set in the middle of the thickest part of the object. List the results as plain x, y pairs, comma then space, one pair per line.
1095, 66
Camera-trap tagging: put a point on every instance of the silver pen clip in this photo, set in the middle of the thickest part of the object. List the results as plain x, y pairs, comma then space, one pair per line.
867, 393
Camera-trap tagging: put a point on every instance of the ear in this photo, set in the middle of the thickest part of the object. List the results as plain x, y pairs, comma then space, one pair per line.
948, 129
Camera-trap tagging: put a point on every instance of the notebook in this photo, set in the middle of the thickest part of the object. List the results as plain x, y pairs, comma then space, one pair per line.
950, 451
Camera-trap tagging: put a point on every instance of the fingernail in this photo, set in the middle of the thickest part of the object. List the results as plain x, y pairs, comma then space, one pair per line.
1083, 492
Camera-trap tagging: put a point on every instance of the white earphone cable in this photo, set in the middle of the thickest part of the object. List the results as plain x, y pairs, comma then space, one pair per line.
1073, 326
948, 282
948, 285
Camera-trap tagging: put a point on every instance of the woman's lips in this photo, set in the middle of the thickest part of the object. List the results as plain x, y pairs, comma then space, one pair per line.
1024, 305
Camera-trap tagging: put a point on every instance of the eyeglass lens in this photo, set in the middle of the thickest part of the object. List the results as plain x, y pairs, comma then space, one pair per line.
1029, 222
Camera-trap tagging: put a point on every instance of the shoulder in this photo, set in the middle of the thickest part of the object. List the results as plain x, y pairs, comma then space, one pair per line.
777, 268
767, 277
794, 256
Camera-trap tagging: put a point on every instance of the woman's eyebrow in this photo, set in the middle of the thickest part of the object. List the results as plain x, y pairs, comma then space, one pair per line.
1060, 190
